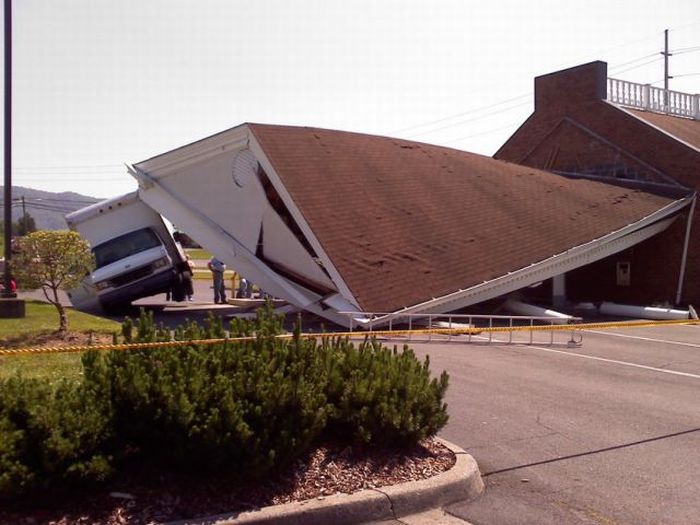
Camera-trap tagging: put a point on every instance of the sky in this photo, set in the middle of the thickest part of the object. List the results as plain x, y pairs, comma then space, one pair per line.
101, 83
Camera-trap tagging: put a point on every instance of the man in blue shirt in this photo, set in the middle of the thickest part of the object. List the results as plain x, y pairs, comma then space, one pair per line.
217, 271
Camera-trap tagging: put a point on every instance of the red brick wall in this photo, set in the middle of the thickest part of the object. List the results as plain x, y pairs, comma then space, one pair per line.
573, 128
654, 270
581, 83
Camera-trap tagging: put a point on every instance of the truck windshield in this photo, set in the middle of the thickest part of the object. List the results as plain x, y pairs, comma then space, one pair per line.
124, 246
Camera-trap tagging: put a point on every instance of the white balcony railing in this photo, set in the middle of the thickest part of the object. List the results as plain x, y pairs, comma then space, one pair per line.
659, 100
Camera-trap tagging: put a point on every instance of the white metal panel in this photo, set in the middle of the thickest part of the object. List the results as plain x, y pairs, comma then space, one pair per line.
211, 188
217, 240
281, 246
111, 218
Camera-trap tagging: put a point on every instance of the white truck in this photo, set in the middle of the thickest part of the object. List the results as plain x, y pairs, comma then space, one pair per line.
135, 254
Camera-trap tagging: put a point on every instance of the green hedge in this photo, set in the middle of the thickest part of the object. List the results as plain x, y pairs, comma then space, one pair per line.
239, 407
51, 436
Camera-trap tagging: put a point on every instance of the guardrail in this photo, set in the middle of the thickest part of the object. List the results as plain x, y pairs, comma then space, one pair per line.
650, 98
471, 325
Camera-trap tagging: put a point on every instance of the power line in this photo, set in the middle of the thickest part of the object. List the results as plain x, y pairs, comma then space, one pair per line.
638, 66
66, 177
83, 166
462, 122
686, 50
513, 99
43, 199
617, 66
469, 112
483, 133
40, 206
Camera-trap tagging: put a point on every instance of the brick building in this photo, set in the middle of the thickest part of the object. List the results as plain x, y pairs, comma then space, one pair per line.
586, 126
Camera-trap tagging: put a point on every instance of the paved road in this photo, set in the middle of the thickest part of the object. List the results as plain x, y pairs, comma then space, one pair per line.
607, 434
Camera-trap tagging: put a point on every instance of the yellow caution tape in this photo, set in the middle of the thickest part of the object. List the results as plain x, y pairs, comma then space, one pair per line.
374, 333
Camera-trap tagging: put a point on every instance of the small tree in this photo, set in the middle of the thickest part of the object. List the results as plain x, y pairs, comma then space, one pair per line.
24, 225
52, 261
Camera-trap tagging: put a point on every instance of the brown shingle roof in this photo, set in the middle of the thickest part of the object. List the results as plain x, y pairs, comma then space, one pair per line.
687, 130
404, 222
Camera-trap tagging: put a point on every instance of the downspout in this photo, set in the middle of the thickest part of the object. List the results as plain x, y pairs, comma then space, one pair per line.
681, 275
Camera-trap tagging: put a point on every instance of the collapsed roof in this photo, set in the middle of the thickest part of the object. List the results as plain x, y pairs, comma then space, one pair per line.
335, 221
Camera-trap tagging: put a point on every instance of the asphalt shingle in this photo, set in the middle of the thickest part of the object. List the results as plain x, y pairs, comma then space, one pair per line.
404, 222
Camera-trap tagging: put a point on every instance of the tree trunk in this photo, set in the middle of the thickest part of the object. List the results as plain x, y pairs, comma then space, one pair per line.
63, 325
63, 320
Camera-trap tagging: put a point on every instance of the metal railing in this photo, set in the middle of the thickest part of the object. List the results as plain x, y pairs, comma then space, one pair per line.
650, 98
421, 327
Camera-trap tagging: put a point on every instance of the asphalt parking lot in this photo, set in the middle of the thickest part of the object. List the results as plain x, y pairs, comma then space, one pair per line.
606, 433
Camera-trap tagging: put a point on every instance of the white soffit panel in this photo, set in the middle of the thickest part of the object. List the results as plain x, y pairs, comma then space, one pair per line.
281, 246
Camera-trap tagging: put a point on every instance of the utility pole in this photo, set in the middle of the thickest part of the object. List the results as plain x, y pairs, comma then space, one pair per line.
10, 305
8, 145
666, 54
24, 217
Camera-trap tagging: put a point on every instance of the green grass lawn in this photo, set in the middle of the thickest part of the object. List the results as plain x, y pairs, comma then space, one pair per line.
198, 253
41, 319
204, 274
48, 367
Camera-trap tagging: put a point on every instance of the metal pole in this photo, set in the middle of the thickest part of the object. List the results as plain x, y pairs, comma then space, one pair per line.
666, 54
684, 256
8, 148
24, 217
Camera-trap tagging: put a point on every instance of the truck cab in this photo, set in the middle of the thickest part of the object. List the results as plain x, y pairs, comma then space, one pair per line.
135, 255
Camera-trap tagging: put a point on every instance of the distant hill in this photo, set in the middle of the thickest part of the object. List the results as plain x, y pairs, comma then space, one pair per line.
46, 207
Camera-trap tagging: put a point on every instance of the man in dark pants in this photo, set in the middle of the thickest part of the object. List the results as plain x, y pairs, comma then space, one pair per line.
217, 271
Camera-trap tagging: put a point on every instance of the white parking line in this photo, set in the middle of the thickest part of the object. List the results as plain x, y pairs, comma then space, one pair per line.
615, 361
678, 343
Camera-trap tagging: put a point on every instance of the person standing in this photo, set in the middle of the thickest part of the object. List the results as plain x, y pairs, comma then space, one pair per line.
217, 271
188, 277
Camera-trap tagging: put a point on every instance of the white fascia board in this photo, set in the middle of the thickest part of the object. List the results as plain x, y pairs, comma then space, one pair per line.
300, 220
171, 162
563, 262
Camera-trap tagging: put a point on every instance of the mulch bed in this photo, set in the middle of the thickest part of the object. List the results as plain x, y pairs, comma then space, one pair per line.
144, 495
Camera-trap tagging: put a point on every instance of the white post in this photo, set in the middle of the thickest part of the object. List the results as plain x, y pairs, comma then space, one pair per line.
559, 290
695, 103
645, 96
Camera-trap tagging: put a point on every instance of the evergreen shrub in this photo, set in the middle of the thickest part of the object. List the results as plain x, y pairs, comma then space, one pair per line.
382, 396
51, 436
241, 407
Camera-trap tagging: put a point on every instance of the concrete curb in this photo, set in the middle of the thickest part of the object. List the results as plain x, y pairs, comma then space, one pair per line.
461, 482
